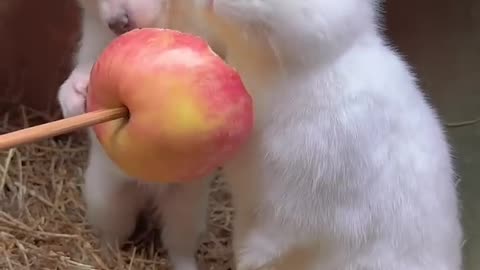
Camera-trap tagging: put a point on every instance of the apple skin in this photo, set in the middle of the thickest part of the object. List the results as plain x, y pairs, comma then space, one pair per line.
189, 112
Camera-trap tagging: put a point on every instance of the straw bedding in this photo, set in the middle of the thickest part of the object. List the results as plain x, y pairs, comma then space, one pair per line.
42, 214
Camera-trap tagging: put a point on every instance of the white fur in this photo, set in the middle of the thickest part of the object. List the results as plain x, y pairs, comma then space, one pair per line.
113, 199
348, 168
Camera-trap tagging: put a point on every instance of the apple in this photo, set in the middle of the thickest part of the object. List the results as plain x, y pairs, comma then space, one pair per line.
189, 112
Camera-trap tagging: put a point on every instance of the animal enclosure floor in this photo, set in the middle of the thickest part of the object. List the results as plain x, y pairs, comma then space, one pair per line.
42, 214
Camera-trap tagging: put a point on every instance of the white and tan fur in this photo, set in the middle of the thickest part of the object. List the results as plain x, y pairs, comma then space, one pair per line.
349, 167
113, 199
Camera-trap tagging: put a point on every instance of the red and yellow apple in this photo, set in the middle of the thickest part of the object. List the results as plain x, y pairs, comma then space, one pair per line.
189, 112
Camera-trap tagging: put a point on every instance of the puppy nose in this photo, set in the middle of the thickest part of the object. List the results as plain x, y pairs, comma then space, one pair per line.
120, 24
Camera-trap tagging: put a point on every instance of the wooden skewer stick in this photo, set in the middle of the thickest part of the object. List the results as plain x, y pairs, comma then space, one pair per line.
40, 132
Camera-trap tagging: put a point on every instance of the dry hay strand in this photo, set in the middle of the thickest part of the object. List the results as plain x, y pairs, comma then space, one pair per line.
42, 213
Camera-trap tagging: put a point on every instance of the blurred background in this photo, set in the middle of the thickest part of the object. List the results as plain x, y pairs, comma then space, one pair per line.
441, 39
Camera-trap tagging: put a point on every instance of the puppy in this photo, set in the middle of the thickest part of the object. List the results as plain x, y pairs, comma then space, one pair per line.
349, 167
113, 199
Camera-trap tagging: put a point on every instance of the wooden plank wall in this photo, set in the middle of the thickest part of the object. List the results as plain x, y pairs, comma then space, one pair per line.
37, 40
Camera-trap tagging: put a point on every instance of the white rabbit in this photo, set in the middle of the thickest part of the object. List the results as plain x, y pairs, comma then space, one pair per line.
349, 167
113, 199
